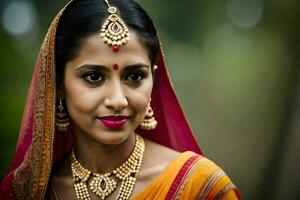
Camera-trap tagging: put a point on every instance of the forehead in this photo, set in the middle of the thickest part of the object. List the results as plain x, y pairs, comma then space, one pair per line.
94, 50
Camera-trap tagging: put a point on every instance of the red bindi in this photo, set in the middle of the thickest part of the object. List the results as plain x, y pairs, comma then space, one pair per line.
115, 48
115, 66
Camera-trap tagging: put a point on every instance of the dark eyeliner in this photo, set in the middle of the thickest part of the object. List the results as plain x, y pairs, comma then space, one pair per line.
141, 75
85, 76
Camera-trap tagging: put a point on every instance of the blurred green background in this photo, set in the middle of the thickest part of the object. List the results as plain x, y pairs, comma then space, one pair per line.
235, 67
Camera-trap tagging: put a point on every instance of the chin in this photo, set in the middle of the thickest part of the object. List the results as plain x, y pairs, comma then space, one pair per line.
113, 137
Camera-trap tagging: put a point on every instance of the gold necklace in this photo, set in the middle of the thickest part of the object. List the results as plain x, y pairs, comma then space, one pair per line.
103, 184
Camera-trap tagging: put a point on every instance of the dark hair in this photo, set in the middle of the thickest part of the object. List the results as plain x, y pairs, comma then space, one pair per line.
85, 17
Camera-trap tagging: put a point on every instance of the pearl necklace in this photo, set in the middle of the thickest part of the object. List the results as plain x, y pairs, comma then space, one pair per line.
103, 184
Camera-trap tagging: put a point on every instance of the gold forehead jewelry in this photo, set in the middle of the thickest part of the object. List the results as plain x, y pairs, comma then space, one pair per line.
105, 184
114, 31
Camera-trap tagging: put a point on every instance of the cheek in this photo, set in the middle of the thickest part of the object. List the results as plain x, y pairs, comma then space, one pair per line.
79, 98
140, 98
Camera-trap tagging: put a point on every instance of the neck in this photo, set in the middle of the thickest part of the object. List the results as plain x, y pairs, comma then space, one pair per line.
101, 158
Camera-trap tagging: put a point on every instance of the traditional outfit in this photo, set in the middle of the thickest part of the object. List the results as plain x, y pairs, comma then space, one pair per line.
189, 176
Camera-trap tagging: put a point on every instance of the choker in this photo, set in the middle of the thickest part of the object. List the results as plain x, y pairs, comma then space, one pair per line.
105, 184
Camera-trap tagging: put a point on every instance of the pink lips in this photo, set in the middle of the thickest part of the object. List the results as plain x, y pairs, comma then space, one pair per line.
114, 121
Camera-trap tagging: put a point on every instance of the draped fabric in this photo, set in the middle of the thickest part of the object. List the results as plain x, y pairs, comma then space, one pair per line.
188, 176
40, 144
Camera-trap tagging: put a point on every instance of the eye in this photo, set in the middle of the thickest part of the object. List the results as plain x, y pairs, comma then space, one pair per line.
135, 76
93, 77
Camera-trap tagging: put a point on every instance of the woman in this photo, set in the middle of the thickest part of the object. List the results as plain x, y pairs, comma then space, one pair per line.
102, 120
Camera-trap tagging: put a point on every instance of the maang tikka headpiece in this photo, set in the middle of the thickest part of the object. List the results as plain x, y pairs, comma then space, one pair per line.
114, 31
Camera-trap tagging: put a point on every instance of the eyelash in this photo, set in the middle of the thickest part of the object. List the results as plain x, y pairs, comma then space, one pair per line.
141, 76
87, 77
100, 77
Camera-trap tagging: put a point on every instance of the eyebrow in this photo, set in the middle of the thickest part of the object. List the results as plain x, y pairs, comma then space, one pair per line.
104, 68
93, 67
136, 66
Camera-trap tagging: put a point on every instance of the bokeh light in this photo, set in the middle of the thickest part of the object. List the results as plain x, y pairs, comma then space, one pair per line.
245, 13
18, 17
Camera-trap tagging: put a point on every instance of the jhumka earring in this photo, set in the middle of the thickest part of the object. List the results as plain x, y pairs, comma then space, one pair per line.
149, 123
62, 119
114, 31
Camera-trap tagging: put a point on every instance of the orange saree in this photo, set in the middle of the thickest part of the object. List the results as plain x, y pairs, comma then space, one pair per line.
190, 176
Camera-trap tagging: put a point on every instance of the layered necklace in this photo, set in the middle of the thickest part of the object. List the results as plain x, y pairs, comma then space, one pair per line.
104, 184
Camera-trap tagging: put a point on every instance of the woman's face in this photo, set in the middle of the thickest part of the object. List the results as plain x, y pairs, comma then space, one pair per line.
107, 92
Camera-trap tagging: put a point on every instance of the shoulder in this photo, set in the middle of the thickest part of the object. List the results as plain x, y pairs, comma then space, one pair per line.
156, 159
204, 179
163, 151
158, 155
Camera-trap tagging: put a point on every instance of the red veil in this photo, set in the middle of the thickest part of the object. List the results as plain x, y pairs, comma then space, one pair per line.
40, 145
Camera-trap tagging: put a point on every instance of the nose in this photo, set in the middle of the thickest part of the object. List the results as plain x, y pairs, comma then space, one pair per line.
115, 99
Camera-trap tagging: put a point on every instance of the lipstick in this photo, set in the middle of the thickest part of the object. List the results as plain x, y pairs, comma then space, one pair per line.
114, 121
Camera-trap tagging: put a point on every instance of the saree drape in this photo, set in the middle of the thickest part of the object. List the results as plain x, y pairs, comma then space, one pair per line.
40, 144
188, 176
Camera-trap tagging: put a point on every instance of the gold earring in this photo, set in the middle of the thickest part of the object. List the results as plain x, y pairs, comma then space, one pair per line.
149, 123
62, 119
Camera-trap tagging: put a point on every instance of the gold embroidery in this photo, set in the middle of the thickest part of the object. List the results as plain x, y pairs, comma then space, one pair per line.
31, 177
186, 179
209, 184
224, 191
